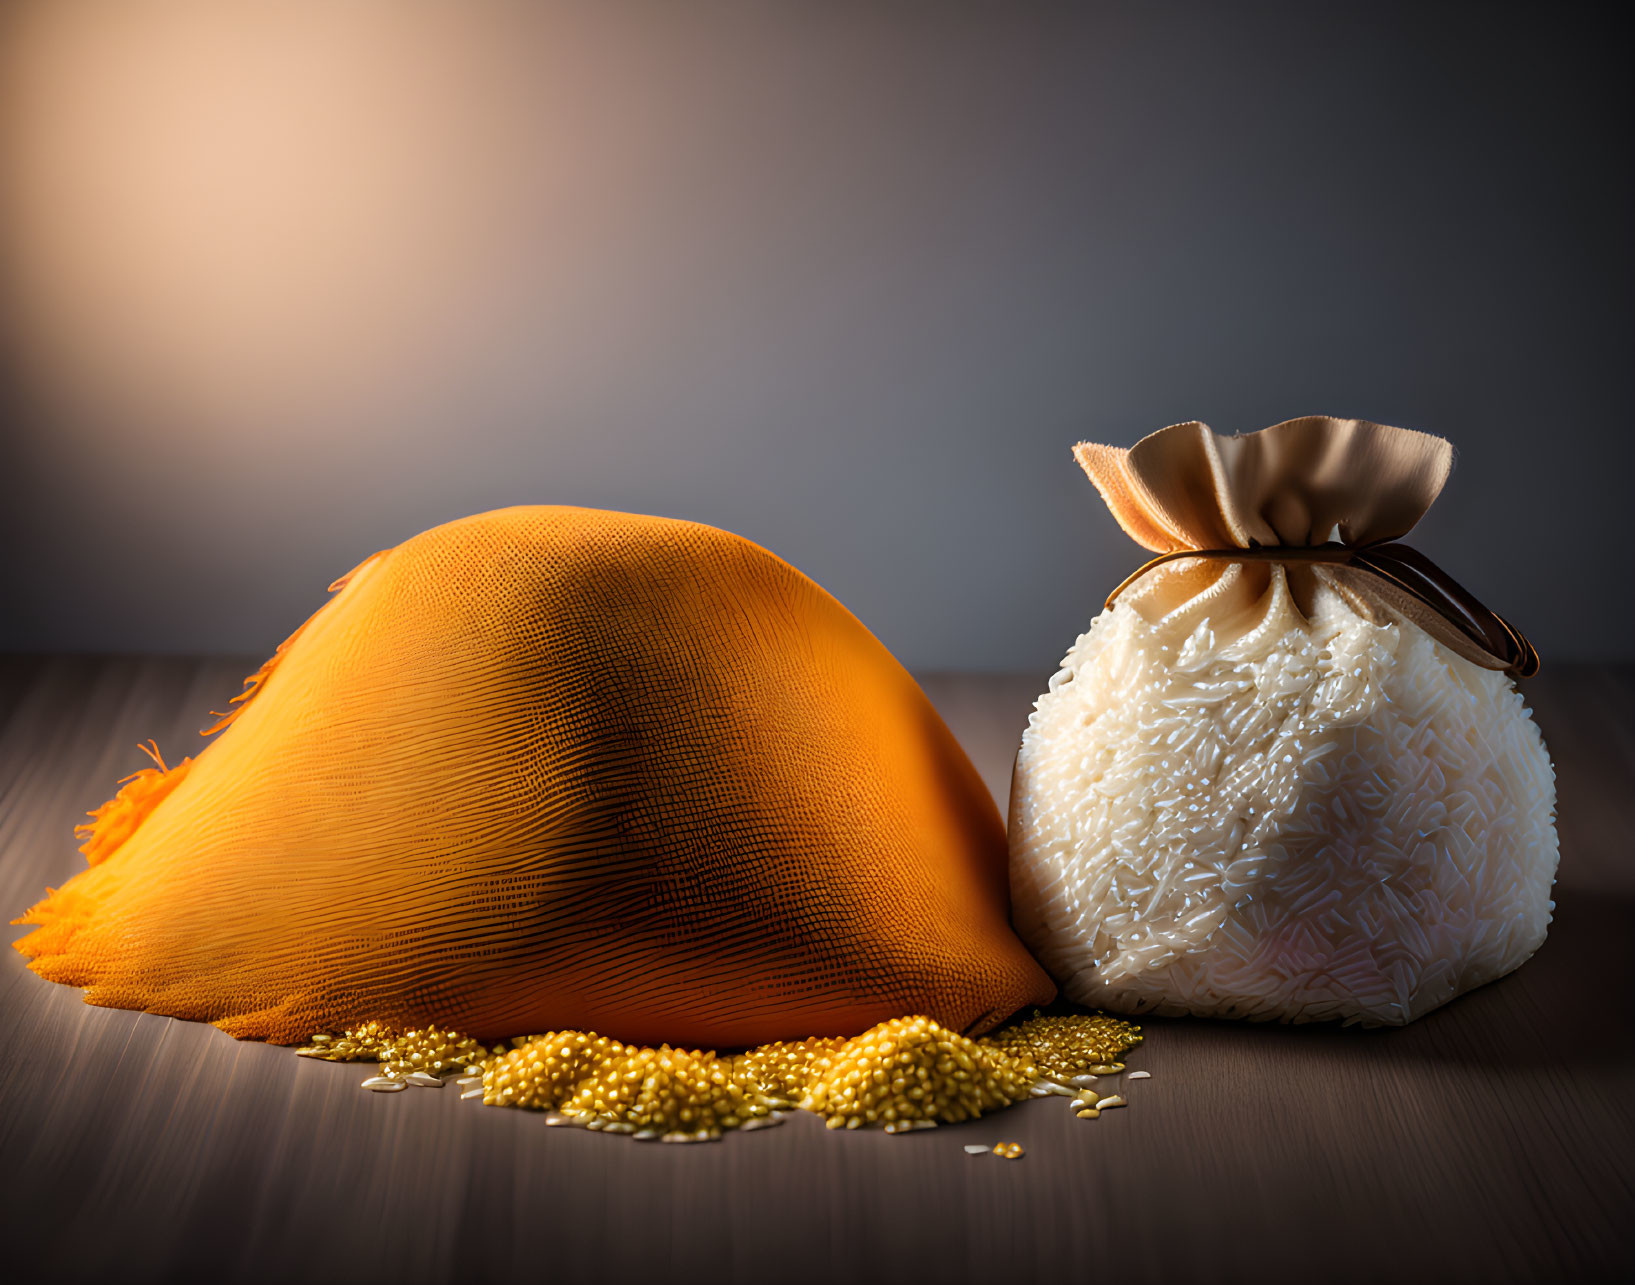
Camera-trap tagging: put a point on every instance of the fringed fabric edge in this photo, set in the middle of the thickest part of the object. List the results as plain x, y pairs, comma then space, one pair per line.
139, 793
258, 680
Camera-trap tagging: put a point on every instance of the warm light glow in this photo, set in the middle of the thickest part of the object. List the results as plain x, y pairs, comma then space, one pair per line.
212, 206
285, 278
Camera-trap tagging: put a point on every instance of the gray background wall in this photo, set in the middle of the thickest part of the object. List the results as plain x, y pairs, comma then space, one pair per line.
283, 284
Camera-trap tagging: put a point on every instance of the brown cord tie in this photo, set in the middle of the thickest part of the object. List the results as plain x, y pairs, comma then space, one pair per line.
1407, 569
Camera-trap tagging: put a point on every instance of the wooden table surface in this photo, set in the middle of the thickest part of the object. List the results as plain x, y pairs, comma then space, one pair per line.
1492, 1140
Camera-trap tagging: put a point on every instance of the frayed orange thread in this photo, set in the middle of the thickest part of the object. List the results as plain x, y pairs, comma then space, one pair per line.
117, 819
252, 685
256, 681
140, 792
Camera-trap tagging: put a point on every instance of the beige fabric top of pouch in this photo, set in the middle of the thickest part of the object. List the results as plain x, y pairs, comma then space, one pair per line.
1304, 483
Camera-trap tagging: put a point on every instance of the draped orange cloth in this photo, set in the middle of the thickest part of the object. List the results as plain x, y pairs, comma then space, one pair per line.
551, 768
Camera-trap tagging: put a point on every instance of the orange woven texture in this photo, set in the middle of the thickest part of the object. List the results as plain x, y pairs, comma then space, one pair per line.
552, 768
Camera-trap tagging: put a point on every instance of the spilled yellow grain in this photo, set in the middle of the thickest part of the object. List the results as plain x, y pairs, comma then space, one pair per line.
905, 1074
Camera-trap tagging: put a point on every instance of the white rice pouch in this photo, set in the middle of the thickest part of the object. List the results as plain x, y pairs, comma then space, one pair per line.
1290, 779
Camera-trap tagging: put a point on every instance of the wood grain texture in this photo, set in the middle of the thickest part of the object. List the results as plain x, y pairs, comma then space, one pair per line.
1493, 1140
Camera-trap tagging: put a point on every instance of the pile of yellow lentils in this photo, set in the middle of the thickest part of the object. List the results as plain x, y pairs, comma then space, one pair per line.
905, 1074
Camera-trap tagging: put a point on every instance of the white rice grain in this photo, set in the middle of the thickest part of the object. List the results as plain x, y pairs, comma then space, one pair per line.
1322, 819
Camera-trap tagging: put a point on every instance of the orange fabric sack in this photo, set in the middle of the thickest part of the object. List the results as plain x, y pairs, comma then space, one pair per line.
550, 768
